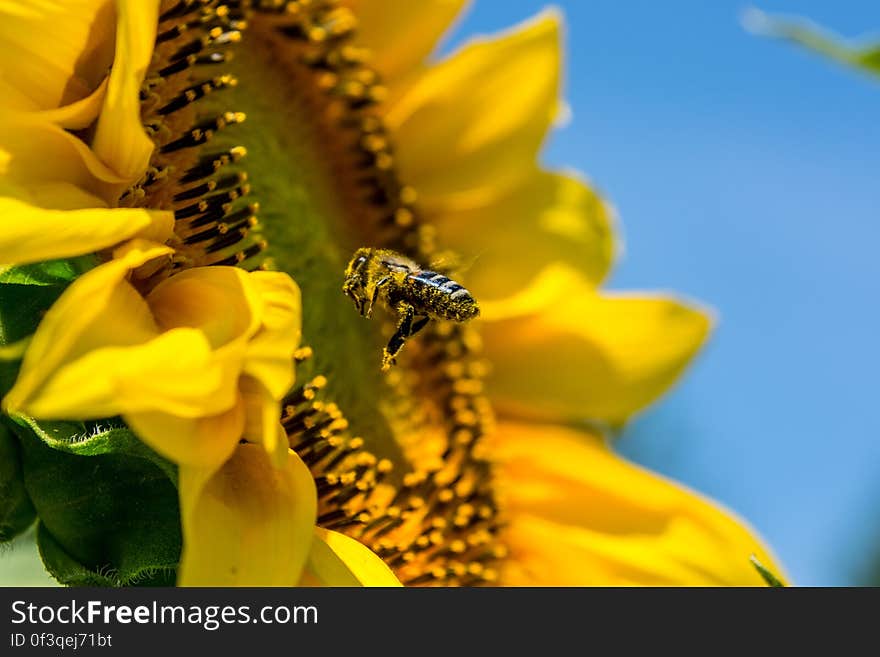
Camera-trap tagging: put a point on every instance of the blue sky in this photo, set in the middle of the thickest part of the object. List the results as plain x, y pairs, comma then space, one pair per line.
745, 172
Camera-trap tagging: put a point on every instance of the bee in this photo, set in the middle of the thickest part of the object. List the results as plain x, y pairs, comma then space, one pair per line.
417, 295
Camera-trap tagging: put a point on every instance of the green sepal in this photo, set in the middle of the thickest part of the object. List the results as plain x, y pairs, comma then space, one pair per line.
17, 513
107, 517
95, 438
65, 568
71, 572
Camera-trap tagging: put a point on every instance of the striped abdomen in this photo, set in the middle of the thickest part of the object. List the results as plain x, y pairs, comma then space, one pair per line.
440, 297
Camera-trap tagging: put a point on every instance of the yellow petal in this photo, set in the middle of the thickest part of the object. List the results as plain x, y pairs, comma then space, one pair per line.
98, 352
34, 153
53, 195
172, 373
253, 322
219, 301
248, 523
560, 350
401, 35
31, 234
577, 514
270, 352
260, 311
75, 323
337, 560
77, 115
120, 140
203, 442
54, 52
262, 412
549, 218
471, 127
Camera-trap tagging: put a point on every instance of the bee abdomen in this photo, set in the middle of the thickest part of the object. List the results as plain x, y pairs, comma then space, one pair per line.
442, 297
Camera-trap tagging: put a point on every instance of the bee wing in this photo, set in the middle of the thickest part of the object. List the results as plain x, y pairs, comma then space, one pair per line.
451, 262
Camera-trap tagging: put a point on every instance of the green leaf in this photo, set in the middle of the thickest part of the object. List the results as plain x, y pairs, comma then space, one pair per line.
768, 576
16, 511
22, 307
110, 515
49, 273
870, 58
26, 293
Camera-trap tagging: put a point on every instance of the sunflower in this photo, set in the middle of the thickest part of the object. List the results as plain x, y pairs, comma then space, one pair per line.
236, 147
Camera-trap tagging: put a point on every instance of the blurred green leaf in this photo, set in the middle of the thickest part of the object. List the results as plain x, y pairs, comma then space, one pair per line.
813, 37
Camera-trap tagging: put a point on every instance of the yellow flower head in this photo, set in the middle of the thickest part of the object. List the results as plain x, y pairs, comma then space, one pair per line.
332, 129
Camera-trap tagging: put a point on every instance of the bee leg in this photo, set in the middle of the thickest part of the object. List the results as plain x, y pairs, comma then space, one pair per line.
418, 325
369, 311
404, 330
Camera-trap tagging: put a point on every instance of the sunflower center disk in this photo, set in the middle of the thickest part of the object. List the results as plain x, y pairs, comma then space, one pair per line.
277, 158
